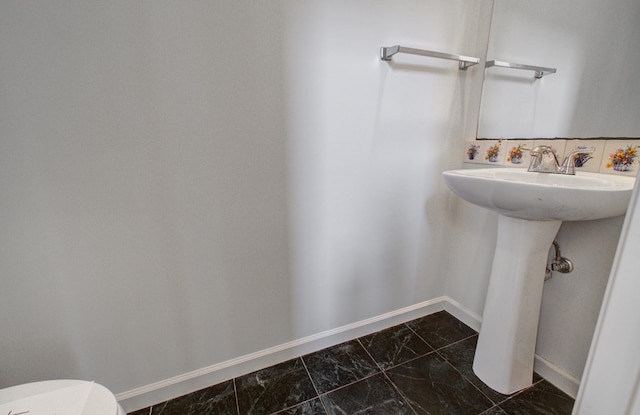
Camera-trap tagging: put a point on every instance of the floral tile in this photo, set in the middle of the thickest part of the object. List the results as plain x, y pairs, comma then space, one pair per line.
620, 157
493, 152
472, 152
517, 154
484, 152
588, 161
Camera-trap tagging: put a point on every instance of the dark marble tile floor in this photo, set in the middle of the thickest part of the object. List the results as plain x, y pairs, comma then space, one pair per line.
421, 367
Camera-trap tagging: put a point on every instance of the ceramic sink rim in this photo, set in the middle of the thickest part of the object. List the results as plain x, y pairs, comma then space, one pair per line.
516, 193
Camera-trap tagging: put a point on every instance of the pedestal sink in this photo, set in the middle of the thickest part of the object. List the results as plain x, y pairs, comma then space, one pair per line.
532, 207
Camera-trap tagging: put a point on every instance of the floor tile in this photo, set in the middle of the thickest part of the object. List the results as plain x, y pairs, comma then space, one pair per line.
494, 411
541, 399
313, 407
275, 388
339, 365
441, 329
433, 386
461, 355
394, 346
415, 379
218, 399
371, 396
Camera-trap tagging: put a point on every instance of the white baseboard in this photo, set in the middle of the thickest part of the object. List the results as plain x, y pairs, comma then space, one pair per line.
164, 390
557, 376
463, 314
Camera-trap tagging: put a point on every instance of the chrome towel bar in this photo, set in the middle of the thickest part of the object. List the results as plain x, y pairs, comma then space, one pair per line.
463, 61
538, 71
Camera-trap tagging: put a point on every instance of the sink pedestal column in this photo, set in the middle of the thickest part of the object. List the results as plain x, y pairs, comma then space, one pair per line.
506, 344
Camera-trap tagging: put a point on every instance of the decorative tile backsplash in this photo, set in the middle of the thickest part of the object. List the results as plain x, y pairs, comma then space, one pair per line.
603, 156
591, 158
621, 157
484, 152
516, 153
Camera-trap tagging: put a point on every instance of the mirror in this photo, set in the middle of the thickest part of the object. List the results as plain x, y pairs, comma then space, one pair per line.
595, 91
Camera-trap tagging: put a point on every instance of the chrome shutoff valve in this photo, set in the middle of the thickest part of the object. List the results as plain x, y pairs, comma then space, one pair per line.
560, 263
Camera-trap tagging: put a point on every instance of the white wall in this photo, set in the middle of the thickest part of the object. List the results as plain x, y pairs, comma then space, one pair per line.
592, 45
610, 383
185, 183
182, 185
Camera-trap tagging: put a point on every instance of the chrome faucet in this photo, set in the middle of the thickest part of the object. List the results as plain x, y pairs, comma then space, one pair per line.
544, 160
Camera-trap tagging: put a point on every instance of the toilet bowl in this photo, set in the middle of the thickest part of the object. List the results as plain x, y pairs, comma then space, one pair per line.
69, 397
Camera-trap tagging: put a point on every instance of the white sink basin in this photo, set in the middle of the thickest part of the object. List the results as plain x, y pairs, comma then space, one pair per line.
542, 196
532, 207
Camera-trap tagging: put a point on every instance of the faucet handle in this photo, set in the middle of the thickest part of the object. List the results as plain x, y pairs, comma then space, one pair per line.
569, 162
583, 150
536, 149
543, 159
541, 149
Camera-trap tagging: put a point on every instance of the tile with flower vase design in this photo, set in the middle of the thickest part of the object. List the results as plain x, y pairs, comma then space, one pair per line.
517, 153
472, 152
592, 157
620, 157
484, 152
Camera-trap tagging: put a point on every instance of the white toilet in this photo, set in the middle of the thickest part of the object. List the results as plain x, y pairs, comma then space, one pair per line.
68, 397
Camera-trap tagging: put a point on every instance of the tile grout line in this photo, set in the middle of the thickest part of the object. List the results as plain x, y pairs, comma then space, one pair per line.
466, 378
380, 368
496, 404
313, 384
397, 389
350, 383
420, 337
486, 411
436, 350
508, 397
235, 394
383, 371
280, 411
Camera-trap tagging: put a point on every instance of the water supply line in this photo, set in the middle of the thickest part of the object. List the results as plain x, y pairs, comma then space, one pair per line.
558, 263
